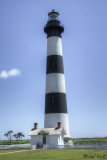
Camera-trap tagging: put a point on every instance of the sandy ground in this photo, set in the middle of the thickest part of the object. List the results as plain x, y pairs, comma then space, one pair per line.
17, 151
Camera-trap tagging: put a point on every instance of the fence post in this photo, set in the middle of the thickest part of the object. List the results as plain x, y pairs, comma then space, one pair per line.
96, 145
78, 144
102, 145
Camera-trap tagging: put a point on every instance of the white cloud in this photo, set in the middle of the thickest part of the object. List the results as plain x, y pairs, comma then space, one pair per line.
12, 73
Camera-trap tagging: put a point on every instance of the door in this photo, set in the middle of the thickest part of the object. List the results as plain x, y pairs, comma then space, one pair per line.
44, 138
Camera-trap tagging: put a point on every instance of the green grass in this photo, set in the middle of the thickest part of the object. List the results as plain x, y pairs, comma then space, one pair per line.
103, 139
6, 142
57, 154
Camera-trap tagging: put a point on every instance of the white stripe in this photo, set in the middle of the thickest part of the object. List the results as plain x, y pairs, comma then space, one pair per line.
54, 46
51, 120
55, 82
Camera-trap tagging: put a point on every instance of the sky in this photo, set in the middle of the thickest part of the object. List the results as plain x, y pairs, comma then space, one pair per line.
23, 49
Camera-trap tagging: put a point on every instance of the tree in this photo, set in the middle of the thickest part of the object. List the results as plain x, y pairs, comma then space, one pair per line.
16, 136
20, 135
9, 135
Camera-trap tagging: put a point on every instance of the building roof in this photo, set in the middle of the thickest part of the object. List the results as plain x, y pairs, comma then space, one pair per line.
48, 131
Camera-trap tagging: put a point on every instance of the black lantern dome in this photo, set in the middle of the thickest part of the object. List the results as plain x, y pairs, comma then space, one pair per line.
53, 26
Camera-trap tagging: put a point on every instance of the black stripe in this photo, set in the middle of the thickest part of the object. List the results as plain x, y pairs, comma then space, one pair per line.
54, 64
55, 103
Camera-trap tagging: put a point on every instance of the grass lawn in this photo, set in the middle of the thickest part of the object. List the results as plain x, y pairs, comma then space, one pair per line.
100, 139
7, 142
56, 154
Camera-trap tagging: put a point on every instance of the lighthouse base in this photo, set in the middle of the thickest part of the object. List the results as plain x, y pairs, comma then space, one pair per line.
68, 140
51, 120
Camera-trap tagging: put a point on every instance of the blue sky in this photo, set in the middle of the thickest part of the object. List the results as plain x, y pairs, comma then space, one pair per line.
23, 64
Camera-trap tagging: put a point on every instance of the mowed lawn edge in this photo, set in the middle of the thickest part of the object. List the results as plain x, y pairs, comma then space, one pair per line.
12, 151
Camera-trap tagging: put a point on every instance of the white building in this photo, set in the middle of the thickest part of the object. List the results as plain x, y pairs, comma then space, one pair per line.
47, 136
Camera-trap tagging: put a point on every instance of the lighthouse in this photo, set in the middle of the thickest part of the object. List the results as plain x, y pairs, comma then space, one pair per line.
55, 92
56, 127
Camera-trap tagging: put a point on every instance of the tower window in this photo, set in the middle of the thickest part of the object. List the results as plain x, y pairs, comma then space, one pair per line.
52, 99
52, 64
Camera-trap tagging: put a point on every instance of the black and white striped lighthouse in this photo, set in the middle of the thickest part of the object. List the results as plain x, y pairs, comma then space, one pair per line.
55, 94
